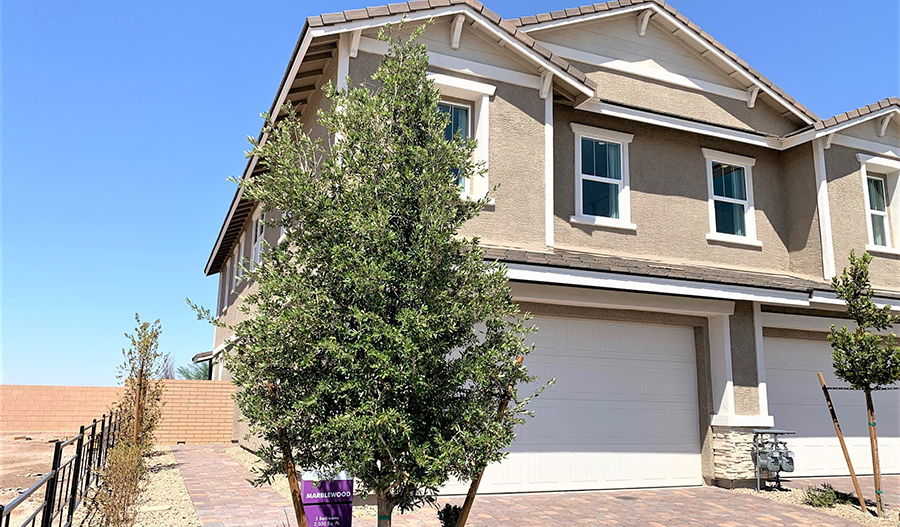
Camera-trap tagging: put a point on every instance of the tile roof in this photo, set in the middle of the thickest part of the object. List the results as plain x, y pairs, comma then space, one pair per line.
524, 22
330, 19
822, 124
633, 266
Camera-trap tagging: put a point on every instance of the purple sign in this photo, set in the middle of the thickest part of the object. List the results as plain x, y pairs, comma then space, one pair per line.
328, 504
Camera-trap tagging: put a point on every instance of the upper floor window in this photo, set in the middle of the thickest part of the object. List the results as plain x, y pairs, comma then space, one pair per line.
879, 226
602, 177
730, 185
881, 190
459, 124
257, 235
471, 117
238, 264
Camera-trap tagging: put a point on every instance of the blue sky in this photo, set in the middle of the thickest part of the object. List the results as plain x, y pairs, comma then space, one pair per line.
122, 120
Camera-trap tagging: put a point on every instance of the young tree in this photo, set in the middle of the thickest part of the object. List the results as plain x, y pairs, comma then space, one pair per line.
142, 372
863, 359
381, 342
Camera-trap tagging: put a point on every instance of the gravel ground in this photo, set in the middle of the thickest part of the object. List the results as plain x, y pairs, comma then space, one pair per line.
165, 501
846, 511
280, 484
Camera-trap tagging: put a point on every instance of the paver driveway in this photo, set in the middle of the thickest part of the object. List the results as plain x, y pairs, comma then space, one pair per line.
218, 486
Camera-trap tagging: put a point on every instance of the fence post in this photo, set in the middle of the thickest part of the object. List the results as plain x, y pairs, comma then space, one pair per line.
79, 452
50, 493
101, 453
90, 457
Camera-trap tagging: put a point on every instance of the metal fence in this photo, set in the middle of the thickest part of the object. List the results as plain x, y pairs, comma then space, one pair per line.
73, 471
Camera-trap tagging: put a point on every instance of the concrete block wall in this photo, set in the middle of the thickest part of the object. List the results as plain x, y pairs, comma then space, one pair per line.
193, 411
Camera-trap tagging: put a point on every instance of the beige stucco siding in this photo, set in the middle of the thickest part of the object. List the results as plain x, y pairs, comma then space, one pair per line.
846, 198
669, 197
651, 95
801, 212
743, 360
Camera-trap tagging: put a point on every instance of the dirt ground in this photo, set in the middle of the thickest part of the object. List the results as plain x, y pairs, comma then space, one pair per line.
22, 464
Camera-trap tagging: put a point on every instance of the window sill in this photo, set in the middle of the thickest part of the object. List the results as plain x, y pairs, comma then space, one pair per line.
599, 221
732, 239
881, 249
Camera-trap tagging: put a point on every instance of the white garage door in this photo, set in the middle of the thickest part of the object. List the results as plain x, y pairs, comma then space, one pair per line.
797, 403
623, 412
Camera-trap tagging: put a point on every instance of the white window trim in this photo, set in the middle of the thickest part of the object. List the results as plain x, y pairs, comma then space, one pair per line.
237, 259
747, 164
257, 235
889, 171
479, 94
623, 222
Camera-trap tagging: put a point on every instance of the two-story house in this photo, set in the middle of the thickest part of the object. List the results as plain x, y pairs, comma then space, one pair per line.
669, 215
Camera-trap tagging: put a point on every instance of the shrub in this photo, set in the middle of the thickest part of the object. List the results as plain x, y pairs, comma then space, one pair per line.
114, 502
826, 496
449, 515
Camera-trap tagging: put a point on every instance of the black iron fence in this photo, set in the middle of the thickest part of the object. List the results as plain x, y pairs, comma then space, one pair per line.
72, 473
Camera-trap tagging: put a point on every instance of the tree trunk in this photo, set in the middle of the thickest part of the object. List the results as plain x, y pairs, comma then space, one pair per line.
873, 440
291, 472
137, 406
385, 508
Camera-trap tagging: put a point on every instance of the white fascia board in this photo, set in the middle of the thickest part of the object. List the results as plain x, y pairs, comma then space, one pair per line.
816, 134
639, 70
742, 421
829, 300
810, 323
468, 67
504, 37
585, 18
622, 112
646, 284
589, 297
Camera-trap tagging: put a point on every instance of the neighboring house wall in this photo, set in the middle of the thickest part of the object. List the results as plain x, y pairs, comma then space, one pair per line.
846, 197
192, 412
669, 197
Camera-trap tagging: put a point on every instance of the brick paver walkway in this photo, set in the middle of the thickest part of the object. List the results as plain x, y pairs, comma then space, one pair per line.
223, 497
221, 493
890, 485
696, 506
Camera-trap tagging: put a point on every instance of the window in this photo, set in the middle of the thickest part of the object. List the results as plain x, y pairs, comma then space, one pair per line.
459, 124
473, 119
881, 190
238, 264
601, 177
731, 211
258, 234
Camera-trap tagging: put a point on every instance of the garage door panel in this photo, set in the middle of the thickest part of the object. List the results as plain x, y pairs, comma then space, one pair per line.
796, 402
623, 412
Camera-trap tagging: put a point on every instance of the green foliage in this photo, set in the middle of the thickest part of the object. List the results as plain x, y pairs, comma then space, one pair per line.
449, 515
142, 354
381, 341
861, 358
194, 372
114, 501
826, 497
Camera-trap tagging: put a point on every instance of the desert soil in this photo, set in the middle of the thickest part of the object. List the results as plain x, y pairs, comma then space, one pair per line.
846, 511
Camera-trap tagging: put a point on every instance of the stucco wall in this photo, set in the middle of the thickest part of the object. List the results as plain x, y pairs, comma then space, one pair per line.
743, 360
846, 198
669, 197
801, 212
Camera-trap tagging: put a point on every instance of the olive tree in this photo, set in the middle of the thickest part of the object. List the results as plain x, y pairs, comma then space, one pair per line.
380, 341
